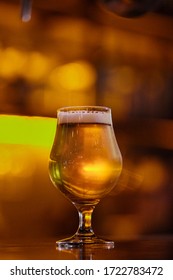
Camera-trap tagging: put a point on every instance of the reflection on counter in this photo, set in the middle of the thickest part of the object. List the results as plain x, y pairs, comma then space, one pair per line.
151, 249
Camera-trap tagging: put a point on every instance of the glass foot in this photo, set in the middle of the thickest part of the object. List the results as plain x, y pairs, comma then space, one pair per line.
79, 242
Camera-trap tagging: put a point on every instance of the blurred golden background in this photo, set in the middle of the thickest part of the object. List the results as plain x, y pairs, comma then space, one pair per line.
76, 53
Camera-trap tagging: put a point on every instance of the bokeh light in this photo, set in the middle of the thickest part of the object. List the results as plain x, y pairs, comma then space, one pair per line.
24, 130
74, 76
12, 62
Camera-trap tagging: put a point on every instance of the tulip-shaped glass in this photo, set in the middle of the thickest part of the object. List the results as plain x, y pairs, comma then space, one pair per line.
85, 164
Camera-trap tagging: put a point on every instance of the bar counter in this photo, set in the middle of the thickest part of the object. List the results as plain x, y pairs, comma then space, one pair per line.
145, 248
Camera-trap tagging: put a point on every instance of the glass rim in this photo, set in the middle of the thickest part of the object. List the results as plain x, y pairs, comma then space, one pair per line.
84, 108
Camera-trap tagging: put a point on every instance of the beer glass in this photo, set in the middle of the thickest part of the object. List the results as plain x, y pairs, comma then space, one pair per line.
85, 164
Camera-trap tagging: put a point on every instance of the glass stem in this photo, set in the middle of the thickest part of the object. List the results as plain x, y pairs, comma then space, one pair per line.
85, 217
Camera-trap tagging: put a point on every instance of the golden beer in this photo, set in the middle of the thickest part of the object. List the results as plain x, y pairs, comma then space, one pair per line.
84, 162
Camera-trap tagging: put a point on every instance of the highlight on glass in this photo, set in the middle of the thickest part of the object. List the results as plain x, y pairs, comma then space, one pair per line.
85, 164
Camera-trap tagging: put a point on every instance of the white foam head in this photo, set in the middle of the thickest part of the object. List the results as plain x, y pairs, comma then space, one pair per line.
84, 115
